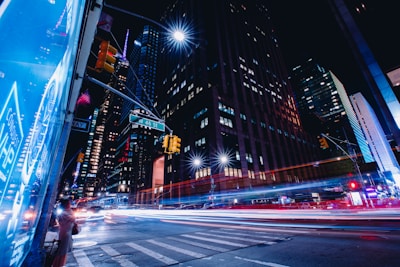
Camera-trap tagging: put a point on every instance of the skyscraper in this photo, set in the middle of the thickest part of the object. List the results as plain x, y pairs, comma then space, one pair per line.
375, 136
386, 103
135, 144
229, 95
325, 107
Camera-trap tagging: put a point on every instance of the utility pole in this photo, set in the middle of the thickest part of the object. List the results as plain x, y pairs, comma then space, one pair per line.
352, 158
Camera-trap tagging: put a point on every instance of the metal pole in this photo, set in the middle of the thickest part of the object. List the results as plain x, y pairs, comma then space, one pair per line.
356, 166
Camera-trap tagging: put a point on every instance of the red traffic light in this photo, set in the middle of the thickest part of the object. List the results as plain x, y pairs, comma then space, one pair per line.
353, 185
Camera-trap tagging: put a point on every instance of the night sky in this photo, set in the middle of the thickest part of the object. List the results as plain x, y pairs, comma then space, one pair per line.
305, 29
309, 29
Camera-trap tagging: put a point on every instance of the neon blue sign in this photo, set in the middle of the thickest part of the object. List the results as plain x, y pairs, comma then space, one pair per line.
36, 63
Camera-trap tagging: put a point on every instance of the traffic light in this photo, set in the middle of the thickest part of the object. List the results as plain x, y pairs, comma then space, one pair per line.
323, 143
353, 185
80, 157
175, 144
106, 57
165, 143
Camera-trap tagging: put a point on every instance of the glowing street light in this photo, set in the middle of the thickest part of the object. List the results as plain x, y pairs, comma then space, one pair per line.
197, 162
179, 36
220, 160
177, 32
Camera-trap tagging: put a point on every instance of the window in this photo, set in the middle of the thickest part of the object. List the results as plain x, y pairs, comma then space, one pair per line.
225, 121
204, 123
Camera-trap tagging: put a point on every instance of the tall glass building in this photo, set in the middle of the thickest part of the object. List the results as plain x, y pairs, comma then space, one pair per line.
352, 16
375, 136
321, 97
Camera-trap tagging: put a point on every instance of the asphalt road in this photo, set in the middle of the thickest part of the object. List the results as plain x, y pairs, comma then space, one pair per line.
229, 238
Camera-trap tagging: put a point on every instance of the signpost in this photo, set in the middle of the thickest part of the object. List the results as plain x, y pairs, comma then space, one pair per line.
160, 126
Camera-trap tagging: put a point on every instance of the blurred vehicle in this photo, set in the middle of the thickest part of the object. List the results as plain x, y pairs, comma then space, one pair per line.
189, 207
95, 209
82, 214
215, 206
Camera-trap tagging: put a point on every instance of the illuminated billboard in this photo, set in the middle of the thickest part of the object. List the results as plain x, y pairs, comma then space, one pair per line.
39, 41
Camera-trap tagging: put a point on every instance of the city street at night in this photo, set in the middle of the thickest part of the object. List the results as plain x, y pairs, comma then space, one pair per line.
275, 238
194, 133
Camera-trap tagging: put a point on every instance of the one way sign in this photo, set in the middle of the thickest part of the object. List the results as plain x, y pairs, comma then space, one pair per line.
80, 125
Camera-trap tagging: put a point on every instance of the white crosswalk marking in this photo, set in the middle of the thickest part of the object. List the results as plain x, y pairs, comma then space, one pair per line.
238, 238
210, 241
82, 259
180, 250
197, 244
110, 251
216, 241
271, 264
117, 257
259, 234
153, 254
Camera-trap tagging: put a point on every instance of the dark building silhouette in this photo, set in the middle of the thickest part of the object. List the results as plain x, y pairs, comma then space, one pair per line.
229, 94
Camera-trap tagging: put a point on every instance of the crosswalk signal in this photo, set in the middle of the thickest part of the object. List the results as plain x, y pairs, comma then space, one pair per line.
106, 57
323, 143
165, 143
175, 144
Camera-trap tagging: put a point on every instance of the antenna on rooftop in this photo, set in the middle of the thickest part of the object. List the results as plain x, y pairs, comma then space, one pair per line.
125, 45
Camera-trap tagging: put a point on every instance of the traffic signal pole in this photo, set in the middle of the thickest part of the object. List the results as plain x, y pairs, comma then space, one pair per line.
354, 160
115, 91
37, 254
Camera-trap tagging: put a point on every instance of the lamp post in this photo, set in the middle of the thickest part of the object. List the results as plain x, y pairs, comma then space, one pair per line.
219, 162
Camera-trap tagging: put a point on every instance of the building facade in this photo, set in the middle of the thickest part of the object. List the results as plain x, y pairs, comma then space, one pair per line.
376, 138
229, 95
324, 102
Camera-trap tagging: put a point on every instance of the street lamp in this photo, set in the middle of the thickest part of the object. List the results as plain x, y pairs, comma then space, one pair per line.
178, 33
218, 162
178, 37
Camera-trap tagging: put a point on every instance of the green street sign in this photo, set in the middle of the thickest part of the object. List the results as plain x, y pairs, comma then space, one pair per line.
147, 122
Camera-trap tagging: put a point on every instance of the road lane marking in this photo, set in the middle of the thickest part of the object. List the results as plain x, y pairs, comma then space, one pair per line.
238, 238
260, 234
153, 254
82, 259
197, 244
216, 241
244, 226
180, 250
271, 264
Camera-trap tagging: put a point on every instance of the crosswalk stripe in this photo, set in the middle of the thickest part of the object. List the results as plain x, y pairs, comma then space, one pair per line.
244, 234
82, 259
237, 238
110, 251
117, 256
180, 250
216, 241
218, 236
153, 254
197, 244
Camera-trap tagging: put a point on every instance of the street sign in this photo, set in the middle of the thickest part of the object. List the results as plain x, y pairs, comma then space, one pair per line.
80, 125
147, 122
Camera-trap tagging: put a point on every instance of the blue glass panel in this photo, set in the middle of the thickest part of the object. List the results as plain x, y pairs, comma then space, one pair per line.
38, 50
